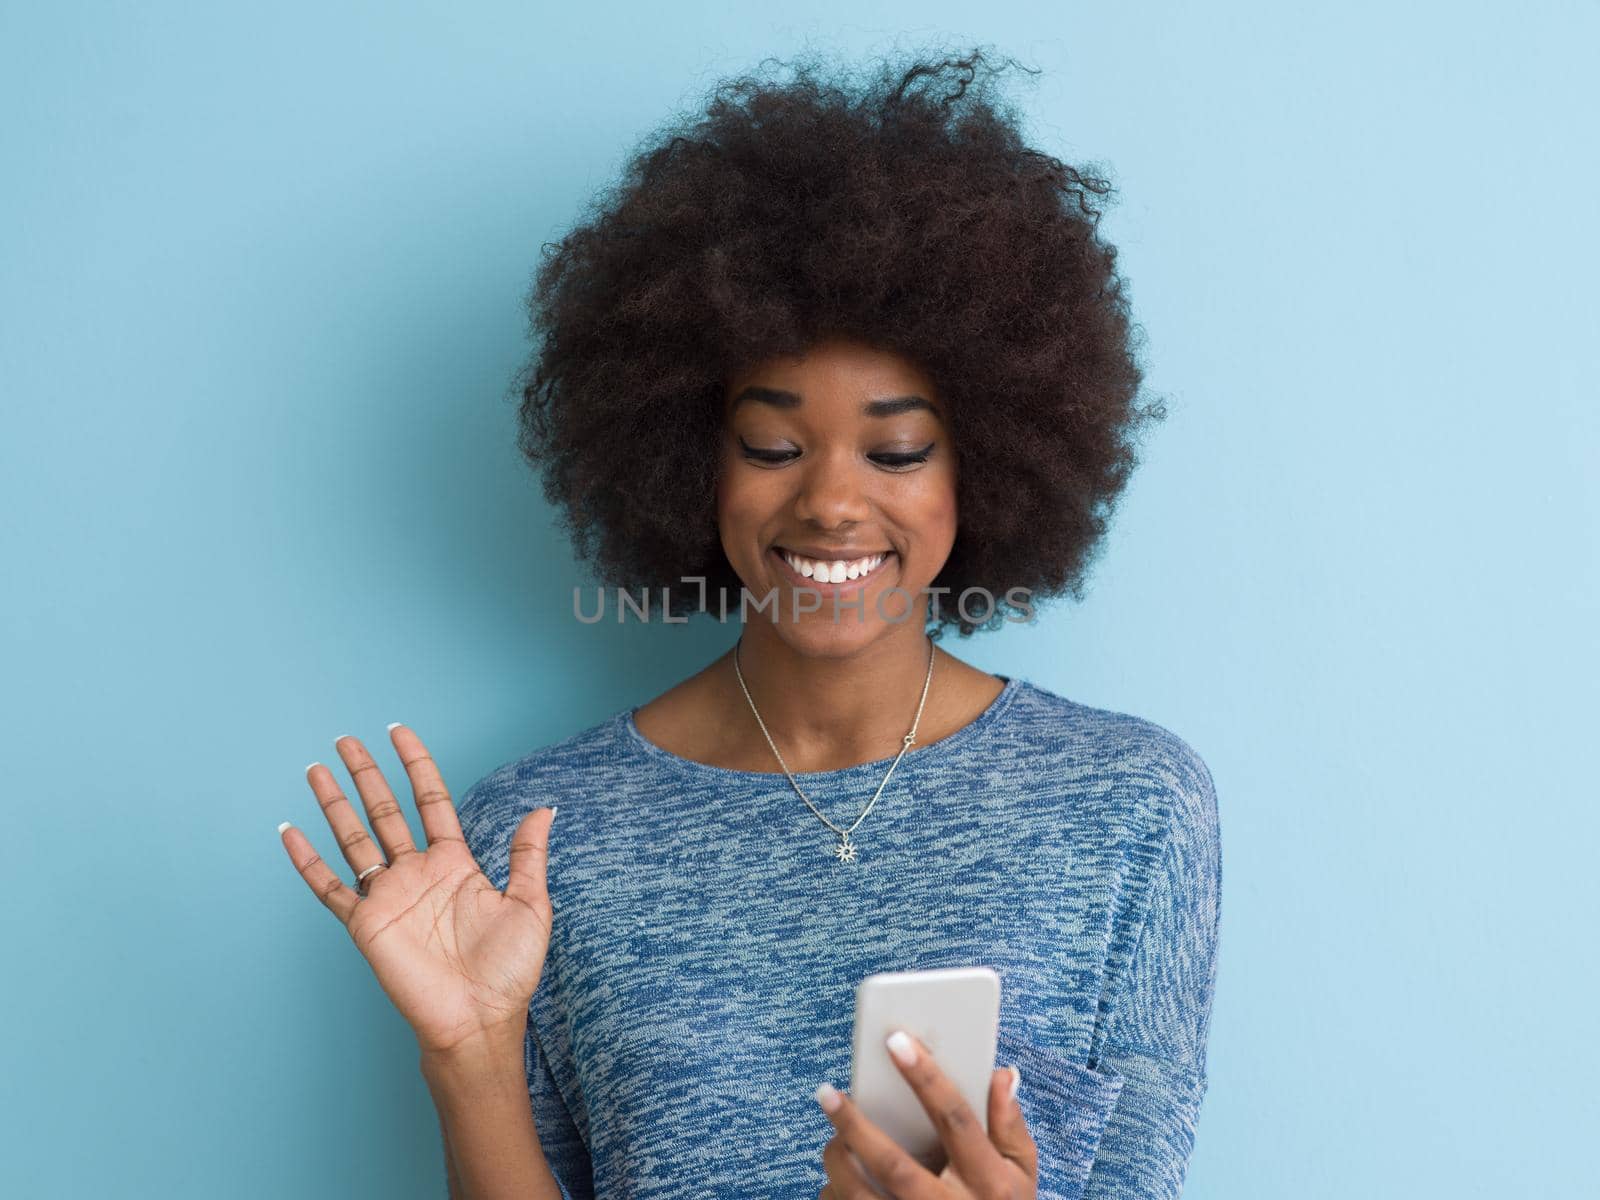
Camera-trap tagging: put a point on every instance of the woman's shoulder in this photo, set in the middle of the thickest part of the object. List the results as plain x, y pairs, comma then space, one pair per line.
1148, 774
579, 763
1108, 733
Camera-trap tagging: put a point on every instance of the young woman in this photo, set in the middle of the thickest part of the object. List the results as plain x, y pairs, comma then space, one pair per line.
850, 365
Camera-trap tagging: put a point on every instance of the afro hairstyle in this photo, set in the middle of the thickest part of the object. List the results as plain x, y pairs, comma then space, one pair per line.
901, 209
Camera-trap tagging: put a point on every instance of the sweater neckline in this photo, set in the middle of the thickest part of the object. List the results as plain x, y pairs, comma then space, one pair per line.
931, 752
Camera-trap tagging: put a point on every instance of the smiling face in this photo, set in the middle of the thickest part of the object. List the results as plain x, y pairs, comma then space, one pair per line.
835, 464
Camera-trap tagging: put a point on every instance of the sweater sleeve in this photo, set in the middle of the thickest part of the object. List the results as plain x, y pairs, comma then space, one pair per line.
487, 831
564, 1151
1155, 1039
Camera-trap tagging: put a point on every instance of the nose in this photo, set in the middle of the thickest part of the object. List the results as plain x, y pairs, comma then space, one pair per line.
831, 492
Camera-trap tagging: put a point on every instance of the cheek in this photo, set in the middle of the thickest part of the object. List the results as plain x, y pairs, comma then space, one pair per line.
940, 509
727, 491
735, 503
743, 509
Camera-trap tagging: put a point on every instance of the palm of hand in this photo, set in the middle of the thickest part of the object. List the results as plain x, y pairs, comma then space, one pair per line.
458, 957
454, 954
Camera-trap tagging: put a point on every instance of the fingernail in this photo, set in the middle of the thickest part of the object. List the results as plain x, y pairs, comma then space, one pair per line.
554, 808
901, 1046
310, 765
282, 827
393, 725
340, 738
828, 1097
1016, 1082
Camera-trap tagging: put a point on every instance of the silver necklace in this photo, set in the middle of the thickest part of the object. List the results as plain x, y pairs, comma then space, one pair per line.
846, 849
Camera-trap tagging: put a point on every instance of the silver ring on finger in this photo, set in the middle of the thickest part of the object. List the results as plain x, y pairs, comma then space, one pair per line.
361, 879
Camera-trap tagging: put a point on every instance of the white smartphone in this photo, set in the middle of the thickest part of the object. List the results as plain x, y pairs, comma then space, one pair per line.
955, 1012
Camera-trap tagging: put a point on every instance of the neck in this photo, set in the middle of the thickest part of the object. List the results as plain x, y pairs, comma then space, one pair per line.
827, 710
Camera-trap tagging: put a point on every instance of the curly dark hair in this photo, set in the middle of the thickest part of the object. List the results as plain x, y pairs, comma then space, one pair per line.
904, 212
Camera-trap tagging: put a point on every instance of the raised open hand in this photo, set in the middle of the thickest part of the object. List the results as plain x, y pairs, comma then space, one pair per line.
458, 957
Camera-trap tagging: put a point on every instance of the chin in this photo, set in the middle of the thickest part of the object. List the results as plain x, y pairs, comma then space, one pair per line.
817, 635
824, 639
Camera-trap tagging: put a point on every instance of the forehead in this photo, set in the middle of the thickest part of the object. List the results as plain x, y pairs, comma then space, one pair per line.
879, 381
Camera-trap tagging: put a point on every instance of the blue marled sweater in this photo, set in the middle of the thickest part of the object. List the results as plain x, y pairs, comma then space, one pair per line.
701, 974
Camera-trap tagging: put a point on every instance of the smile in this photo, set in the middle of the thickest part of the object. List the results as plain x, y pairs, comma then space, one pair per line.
839, 574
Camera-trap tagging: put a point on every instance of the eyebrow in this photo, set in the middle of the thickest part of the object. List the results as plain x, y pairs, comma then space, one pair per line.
886, 407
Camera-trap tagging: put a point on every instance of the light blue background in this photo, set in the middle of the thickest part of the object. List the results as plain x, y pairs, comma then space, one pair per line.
260, 306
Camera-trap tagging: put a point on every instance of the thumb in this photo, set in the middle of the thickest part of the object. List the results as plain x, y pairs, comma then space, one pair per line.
1008, 1130
530, 851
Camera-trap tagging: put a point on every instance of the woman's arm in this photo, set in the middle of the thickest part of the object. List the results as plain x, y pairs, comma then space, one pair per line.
561, 1145
491, 1143
452, 1181
1157, 1032
487, 825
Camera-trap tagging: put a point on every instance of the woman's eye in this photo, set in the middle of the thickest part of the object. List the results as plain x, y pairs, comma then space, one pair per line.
894, 461
909, 459
771, 456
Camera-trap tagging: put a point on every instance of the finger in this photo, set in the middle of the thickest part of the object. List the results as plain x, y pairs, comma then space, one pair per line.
971, 1152
434, 806
334, 892
881, 1157
847, 1179
1008, 1128
383, 810
357, 846
530, 851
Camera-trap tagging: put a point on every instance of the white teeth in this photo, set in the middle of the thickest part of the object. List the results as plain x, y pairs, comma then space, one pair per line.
833, 572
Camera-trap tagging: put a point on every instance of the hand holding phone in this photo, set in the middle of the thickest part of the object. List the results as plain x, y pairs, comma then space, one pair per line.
955, 1013
951, 1020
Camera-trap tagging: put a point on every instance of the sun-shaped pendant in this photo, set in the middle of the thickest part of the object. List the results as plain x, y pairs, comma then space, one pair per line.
845, 851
